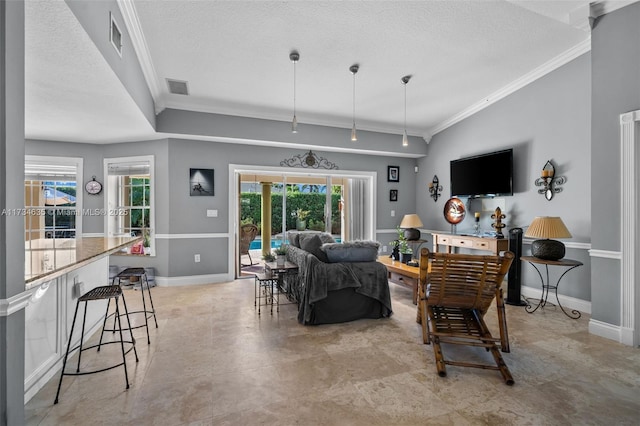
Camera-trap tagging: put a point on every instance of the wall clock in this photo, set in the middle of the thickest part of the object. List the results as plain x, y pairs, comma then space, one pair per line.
93, 187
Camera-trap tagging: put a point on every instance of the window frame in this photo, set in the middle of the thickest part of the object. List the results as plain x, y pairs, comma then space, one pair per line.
78, 162
111, 205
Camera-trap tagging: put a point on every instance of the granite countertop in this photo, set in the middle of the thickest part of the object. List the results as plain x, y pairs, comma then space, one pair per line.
46, 259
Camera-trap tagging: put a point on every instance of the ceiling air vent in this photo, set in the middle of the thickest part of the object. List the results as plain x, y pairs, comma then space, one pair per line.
177, 87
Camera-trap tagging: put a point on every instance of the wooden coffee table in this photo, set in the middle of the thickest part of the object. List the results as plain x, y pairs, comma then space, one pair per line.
400, 273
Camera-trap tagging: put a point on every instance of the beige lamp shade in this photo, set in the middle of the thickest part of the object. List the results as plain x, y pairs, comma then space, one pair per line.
411, 221
547, 227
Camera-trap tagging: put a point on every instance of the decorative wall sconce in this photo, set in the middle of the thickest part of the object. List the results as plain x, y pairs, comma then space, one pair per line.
498, 225
435, 188
549, 181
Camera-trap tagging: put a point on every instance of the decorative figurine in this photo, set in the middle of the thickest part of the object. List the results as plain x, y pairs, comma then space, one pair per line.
498, 225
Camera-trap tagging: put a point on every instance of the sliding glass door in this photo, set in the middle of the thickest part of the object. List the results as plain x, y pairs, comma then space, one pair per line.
281, 201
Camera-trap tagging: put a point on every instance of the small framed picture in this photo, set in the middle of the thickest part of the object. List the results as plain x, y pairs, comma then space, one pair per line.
393, 195
393, 174
201, 182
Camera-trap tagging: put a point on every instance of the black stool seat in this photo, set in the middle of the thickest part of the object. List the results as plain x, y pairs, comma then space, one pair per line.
132, 272
140, 273
99, 293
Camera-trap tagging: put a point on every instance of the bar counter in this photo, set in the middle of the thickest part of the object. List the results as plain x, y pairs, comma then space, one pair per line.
47, 259
57, 272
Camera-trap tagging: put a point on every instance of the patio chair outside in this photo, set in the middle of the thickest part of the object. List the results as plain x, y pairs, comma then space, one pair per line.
248, 233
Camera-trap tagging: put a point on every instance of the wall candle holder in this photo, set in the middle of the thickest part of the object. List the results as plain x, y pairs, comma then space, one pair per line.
435, 188
549, 181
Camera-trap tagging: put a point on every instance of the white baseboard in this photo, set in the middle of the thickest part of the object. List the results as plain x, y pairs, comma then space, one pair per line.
606, 330
566, 301
192, 280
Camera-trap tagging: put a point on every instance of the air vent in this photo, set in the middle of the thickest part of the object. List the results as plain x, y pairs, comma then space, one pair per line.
177, 87
115, 35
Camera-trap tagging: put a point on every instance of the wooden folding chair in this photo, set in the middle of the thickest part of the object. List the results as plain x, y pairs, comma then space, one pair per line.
456, 290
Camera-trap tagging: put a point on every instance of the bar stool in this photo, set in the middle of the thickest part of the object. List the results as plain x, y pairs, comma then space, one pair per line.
141, 274
99, 293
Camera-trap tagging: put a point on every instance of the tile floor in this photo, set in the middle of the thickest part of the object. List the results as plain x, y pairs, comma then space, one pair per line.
214, 361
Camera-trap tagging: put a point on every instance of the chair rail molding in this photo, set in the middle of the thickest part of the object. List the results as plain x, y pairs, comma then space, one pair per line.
630, 279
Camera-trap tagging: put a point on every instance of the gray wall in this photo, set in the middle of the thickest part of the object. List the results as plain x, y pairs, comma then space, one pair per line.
94, 18
254, 129
547, 119
615, 70
12, 328
178, 213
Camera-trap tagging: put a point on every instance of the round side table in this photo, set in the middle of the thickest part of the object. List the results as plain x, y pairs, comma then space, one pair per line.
546, 285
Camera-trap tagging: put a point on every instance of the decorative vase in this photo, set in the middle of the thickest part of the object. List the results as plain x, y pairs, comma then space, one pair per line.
405, 257
301, 225
280, 259
395, 254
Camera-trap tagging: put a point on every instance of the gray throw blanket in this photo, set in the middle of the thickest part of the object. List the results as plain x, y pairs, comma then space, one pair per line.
316, 278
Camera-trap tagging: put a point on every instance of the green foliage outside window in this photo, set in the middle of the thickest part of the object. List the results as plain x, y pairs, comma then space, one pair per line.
250, 209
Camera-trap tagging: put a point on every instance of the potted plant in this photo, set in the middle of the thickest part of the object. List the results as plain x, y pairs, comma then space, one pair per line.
301, 219
146, 243
268, 257
401, 249
406, 253
281, 253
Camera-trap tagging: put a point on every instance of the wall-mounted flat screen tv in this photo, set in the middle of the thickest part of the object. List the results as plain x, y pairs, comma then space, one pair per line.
487, 175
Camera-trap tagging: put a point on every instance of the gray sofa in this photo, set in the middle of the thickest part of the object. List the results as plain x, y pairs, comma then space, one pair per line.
336, 292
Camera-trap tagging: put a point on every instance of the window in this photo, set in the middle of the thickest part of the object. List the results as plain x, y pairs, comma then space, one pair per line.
130, 199
52, 201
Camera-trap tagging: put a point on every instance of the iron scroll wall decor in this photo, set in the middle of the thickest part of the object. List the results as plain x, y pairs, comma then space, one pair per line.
549, 181
309, 160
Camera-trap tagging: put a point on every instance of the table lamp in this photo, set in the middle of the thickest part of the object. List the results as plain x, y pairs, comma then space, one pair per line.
409, 223
545, 228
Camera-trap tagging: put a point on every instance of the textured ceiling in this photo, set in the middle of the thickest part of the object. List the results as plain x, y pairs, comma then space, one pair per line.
234, 55
71, 94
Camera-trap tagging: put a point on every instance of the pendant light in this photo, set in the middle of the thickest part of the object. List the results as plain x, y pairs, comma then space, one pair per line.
354, 69
294, 56
405, 139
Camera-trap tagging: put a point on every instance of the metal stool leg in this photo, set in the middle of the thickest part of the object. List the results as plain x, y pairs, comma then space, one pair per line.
153, 309
84, 320
66, 355
104, 324
144, 311
133, 339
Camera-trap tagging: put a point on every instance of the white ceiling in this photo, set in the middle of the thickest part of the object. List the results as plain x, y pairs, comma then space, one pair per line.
235, 57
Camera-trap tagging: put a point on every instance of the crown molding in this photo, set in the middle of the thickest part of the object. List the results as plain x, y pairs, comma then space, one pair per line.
516, 85
131, 21
602, 7
256, 142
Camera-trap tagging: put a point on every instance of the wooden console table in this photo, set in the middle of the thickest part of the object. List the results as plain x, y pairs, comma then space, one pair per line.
401, 273
494, 245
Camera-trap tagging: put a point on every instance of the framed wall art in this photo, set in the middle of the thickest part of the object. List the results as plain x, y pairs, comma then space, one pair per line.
393, 195
393, 174
201, 182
